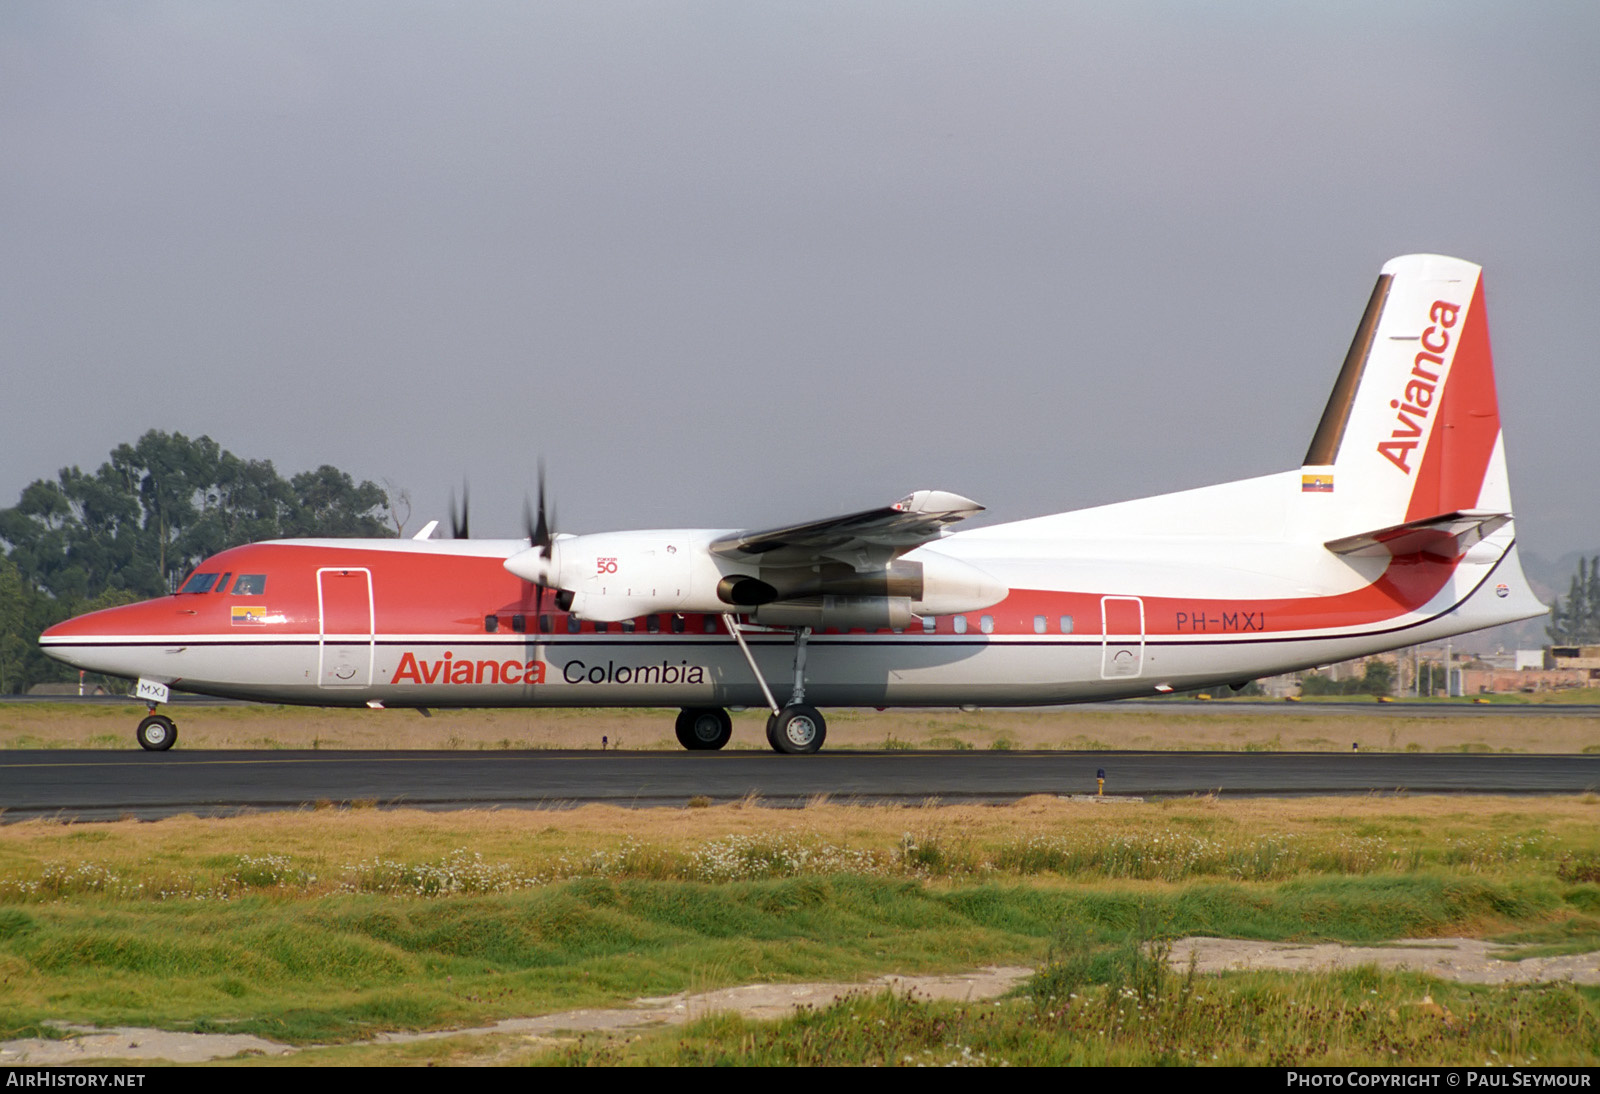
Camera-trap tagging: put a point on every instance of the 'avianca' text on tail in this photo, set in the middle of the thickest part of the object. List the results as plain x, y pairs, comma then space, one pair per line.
1396, 529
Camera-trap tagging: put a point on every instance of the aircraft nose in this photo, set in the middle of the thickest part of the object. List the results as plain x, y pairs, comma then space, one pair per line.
79, 626
144, 617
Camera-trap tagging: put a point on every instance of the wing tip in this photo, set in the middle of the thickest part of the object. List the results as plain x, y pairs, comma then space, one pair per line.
937, 502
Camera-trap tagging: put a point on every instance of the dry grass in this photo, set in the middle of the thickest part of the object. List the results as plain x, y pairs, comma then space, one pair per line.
1477, 826
1232, 727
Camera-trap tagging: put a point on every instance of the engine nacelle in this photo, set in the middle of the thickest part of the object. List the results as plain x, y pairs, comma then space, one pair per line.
607, 608
950, 586
843, 612
609, 576
744, 591
933, 584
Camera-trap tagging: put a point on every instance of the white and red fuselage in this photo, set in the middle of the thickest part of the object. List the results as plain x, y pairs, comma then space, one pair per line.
1395, 531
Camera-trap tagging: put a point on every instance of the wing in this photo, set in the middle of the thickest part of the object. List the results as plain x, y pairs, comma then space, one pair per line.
864, 541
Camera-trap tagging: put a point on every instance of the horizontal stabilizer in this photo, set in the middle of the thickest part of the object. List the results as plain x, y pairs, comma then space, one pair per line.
1447, 537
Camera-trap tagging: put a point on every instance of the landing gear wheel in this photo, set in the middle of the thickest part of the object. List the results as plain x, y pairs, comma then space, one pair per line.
703, 729
797, 729
156, 733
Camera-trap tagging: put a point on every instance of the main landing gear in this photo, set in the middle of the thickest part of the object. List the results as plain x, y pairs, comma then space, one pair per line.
157, 732
704, 729
796, 728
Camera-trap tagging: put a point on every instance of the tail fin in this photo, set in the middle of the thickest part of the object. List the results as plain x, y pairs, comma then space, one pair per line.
1411, 433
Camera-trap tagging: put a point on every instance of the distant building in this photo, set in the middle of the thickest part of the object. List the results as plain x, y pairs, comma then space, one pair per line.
64, 689
1500, 672
1278, 687
1490, 681
1574, 657
1532, 671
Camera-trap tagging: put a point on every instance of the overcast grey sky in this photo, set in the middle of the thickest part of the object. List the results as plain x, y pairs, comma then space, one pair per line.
739, 263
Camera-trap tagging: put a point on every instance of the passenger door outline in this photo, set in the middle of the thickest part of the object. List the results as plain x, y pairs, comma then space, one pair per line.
1121, 637
346, 627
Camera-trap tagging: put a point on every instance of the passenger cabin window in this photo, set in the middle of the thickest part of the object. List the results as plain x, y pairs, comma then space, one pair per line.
250, 585
574, 624
652, 623
1038, 624
491, 623
960, 622
629, 626
929, 624
677, 624
519, 623
1066, 624
544, 624
710, 624
199, 583
986, 624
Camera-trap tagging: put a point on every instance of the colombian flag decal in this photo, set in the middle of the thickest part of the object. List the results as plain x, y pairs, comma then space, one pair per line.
249, 616
1316, 484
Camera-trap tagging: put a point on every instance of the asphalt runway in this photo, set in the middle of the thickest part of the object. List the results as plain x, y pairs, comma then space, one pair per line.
105, 785
1230, 708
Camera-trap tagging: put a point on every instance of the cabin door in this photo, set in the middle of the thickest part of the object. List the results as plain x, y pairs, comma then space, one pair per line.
1122, 644
345, 640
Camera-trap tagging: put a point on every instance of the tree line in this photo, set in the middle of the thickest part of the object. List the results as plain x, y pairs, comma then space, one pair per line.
134, 528
1577, 621
1377, 678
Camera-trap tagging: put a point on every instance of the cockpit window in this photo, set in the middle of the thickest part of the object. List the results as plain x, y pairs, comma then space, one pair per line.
250, 585
199, 583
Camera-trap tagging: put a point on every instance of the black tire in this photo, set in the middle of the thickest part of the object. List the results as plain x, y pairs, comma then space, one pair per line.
704, 729
156, 733
797, 730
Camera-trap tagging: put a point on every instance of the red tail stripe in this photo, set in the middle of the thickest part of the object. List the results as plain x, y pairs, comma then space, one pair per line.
1464, 433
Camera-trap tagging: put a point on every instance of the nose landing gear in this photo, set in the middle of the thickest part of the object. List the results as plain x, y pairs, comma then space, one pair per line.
157, 732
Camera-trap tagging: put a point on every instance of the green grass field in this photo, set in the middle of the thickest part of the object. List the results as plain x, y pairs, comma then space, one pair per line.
327, 926
1156, 1018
